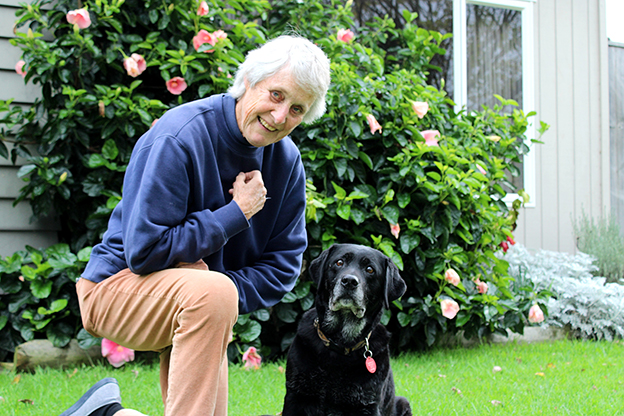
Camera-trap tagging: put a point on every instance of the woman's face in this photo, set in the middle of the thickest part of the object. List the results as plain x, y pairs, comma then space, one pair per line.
269, 111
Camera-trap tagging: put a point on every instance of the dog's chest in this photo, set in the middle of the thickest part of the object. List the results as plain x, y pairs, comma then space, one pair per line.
337, 382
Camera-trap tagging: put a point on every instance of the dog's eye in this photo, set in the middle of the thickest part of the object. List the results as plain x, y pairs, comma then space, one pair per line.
340, 262
370, 270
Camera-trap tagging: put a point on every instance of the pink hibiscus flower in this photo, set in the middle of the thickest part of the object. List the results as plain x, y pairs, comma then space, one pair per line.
115, 353
449, 308
345, 35
19, 68
252, 359
420, 108
203, 36
431, 137
373, 124
203, 9
176, 85
79, 17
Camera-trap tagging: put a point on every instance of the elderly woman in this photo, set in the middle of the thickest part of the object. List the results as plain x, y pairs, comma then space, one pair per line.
211, 224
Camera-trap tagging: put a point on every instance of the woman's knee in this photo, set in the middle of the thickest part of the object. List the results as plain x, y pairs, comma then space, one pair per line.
218, 296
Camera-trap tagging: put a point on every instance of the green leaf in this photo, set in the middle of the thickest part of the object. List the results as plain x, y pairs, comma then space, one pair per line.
25, 170
391, 213
404, 319
261, 315
41, 289
356, 128
251, 332
289, 298
86, 340
344, 211
109, 150
366, 159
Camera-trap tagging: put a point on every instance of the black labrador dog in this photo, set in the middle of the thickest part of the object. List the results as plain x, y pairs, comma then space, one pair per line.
338, 363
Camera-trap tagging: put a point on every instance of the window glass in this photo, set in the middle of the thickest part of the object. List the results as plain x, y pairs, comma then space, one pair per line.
432, 15
494, 53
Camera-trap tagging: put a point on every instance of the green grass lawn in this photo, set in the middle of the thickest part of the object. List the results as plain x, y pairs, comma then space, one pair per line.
558, 378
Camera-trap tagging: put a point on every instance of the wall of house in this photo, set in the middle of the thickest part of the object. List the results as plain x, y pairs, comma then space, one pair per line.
572, 96
16, 228
616, 130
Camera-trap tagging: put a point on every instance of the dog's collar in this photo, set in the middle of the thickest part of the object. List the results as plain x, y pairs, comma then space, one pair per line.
337, 347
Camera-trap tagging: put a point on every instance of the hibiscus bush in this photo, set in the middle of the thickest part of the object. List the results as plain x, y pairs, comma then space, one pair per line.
391, 165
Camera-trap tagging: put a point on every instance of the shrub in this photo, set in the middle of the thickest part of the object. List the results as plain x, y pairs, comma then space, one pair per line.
582, 302
602, 240
430, 206
37, 296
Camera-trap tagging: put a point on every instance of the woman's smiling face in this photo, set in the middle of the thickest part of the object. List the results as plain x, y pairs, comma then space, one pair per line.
269, 111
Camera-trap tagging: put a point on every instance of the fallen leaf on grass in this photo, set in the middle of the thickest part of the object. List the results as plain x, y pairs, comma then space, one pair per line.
551, 365
26, 401
497, 369
1, 399
540, 374
73, 374
17, 379
497, 403
136, 373
457, 391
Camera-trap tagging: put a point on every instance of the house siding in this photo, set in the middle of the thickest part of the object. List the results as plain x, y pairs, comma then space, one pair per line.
572, 166
16, 228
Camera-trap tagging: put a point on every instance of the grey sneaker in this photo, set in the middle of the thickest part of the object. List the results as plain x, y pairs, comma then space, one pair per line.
102, 393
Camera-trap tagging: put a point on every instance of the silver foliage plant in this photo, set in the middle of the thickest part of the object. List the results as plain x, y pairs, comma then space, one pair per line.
586, 304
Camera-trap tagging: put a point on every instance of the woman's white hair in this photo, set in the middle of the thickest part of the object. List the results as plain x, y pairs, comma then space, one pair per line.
306, 62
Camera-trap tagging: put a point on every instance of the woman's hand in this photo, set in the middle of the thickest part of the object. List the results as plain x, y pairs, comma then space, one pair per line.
249, 192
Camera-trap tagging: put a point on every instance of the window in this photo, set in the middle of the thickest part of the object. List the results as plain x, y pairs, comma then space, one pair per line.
490, 53
493, 54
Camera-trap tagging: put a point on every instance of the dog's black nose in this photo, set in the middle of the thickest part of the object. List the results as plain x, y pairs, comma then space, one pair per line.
349, 281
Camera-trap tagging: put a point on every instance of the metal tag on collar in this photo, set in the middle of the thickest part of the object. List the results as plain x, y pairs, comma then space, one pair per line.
371, 365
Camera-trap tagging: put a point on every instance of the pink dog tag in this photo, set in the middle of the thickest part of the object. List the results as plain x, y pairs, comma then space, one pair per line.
371, 365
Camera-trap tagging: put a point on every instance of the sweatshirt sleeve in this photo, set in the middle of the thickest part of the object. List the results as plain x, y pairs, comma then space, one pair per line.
158, 231
265, 283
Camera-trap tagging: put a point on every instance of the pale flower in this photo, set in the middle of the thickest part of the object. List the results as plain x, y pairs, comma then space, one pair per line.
431, 137
176, 85
19, 68
219, 34
79, 18
115, 353
395, 229
535, 314
135, 65
203, 9
420, 108
449, 308
480, 169
345, 35
252, 359
203, 36
452, 277
373, 124
482, 287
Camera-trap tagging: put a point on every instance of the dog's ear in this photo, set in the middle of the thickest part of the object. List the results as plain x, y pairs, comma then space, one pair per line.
395, 285
317, 266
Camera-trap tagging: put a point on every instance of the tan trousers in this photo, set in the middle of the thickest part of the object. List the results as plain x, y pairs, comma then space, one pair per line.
186, 314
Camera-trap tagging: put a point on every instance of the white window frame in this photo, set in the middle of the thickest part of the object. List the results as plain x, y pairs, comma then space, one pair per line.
460, 69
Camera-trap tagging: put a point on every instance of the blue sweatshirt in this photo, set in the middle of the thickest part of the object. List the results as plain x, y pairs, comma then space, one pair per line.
176, 206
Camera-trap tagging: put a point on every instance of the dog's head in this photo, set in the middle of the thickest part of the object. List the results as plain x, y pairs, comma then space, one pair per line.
354, 284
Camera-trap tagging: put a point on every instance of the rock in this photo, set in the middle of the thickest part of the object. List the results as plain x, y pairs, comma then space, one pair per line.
41, 353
